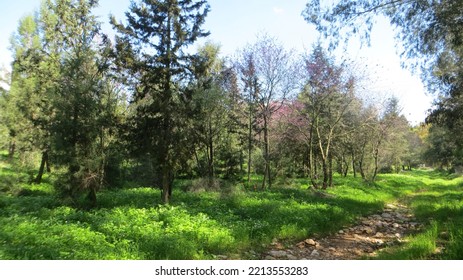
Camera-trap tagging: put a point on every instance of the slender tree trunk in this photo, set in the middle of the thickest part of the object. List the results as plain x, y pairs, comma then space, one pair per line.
11, 149
92, 196
74, 166
166, 189
312, 163
43, 164
362, 172
353, 165
346, 166
330, 170
249, 144
210, 158
362, 158
266, 156
325, 174
241, 161
165, 159
198, 162
375, 171
166, 138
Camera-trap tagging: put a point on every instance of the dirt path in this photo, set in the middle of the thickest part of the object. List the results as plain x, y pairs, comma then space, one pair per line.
364, 239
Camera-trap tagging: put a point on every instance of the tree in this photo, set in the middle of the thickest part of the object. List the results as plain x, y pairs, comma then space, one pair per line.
267, 71
32, 78
415, 149
247, 72
447, 112
209, 105
430, 32
77, 95
443, 149
395, 129
151, 52
291, 156
4, 109
326, 97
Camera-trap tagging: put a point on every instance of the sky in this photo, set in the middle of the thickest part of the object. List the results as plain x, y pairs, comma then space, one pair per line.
235, 23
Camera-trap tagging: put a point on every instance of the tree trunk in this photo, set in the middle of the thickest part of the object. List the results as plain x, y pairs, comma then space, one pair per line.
198, 162
167, 96
249, 146
353, 165
362, 157
312, 163
375, 171
330, 171
92, 196
210, 149
43, 163
166, 188
362, 172
325, 174
11, 149
346, 167
241, 161
266, 156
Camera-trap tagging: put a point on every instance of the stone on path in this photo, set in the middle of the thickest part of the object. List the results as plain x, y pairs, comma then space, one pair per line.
315, 254
386, 215
277, 254
310, 242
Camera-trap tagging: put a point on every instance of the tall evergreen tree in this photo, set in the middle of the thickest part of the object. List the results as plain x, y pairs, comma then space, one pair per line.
81, 94
31, 78
5, 129
151, 51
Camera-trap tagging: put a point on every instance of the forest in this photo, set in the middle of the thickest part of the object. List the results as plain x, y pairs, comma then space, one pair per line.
139, 146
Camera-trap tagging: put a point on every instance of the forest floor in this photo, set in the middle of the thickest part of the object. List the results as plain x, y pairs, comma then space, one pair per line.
413, 215
363, 240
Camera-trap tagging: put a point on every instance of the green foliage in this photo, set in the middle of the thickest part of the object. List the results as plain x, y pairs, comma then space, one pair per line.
36, 224
150, 52
430, 36
426, 28
194, 116
436, 199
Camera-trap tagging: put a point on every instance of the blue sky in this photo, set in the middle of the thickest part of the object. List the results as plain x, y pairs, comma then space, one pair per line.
234, 23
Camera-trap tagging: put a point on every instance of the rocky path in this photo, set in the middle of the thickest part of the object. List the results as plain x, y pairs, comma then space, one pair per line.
364, 239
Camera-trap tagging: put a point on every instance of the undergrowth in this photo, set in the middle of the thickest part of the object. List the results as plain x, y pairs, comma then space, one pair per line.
131, 223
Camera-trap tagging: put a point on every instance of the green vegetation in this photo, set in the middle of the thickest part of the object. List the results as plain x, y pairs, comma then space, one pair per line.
36, 223
436, 198
134, 146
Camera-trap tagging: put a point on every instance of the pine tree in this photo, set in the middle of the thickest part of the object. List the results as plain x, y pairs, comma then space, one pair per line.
82, 98
29, 90
151, 51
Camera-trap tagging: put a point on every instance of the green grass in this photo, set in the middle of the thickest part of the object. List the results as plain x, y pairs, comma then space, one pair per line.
437, 201
129, 223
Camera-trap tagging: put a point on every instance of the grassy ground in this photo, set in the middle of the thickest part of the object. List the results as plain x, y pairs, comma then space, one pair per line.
437, 200
129, 223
